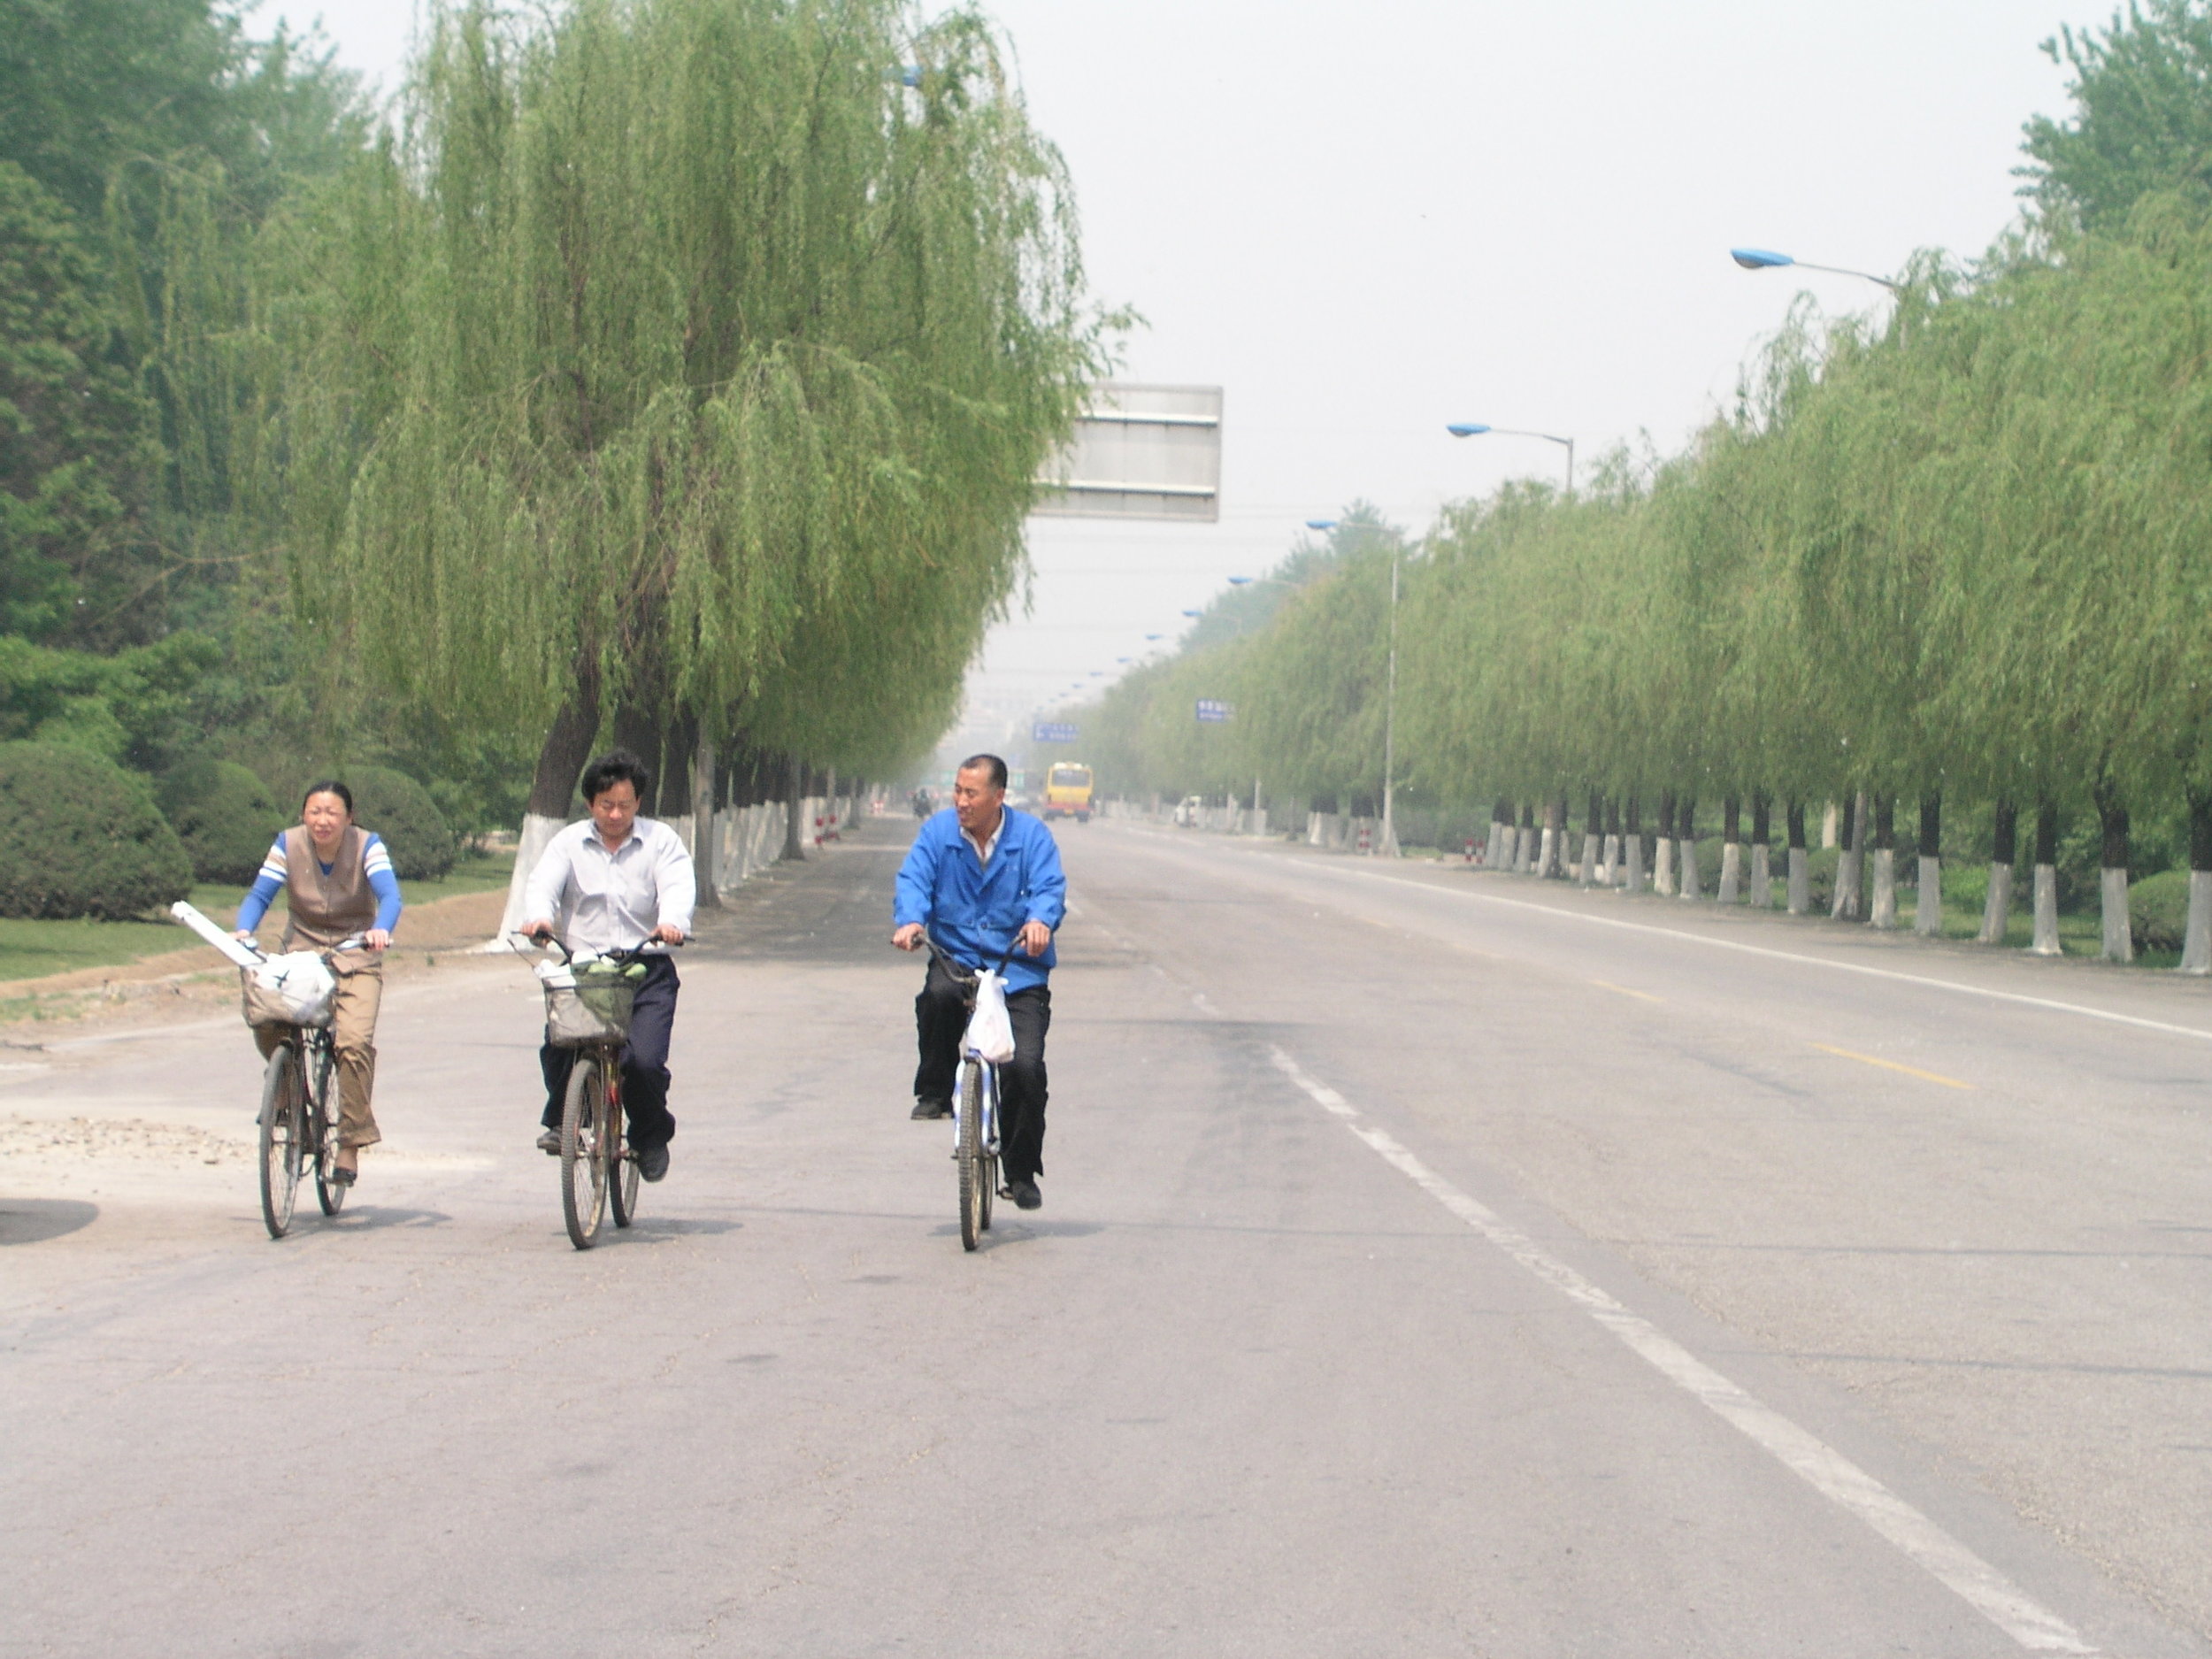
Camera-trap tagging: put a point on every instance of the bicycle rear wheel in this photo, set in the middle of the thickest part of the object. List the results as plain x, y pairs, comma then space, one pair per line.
283, 1139
975, 1203
322, 1101
987, 1179
622, 1189
583, 1152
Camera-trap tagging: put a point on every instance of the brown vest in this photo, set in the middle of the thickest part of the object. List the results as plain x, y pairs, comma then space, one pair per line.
326, 908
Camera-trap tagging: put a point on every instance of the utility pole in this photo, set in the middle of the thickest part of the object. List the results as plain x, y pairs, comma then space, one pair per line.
1389, 847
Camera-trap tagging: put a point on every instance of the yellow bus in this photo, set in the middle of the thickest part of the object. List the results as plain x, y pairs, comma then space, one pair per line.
1068, 792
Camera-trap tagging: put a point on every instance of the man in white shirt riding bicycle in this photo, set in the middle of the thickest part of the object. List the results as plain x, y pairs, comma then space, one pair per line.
610, 883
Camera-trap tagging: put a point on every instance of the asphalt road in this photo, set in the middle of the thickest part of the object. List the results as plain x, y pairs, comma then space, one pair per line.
1432, 1262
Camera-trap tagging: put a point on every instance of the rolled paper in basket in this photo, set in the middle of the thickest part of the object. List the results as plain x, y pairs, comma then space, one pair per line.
244, 955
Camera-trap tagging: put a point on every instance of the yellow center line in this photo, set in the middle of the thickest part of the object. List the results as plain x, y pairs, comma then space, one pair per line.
1641, 996
1891, 1065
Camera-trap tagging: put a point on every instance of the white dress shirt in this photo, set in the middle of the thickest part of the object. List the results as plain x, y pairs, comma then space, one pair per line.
611, 900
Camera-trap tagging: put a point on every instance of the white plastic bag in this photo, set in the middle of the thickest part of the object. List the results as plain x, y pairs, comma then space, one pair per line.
298, 989
990, 1033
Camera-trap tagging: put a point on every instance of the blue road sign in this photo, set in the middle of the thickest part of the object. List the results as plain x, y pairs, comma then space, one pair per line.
1051, 732
1212, 713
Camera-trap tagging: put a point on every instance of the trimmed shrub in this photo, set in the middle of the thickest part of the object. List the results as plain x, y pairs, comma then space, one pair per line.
82, 837
2158, 911
223, 814
401, 811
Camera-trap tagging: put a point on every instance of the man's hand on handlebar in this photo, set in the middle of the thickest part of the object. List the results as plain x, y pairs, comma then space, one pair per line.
1035, 938
378, 939
537, 932
909, 937
665, 935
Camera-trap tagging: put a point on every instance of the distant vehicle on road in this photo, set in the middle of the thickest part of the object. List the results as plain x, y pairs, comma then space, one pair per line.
1068, 792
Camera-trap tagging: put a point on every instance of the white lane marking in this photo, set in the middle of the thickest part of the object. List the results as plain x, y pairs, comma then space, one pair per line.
1835, 1477
1787, 955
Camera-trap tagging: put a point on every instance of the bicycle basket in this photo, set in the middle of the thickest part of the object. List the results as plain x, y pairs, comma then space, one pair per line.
297, 989
590, 1002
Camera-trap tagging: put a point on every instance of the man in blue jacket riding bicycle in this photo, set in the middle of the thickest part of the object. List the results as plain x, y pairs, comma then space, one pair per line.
983, 879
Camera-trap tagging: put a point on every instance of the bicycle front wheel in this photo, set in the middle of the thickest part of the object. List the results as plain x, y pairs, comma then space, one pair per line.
969, 1155
622, 1187
583, 1152
322, 1101
283, 1137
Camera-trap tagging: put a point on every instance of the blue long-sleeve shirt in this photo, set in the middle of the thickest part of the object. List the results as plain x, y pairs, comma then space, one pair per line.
376, 865
974, 910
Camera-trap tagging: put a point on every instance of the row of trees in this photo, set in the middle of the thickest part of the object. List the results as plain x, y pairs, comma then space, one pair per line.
665, 372
1964, 557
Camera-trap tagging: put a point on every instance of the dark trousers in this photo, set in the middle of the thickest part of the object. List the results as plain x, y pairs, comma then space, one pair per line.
644, 1061
941, 1016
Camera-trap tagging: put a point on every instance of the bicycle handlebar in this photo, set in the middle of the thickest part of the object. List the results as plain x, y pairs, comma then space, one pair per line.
960, 970
620, 954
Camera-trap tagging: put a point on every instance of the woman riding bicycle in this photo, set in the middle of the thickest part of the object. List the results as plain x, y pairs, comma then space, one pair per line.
338, 881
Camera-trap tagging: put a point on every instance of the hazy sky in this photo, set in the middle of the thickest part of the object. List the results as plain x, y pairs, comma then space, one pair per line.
1365, 221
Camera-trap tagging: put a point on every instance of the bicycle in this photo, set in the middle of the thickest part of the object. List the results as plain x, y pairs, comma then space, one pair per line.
974, 1112
599, 1169
299, 1116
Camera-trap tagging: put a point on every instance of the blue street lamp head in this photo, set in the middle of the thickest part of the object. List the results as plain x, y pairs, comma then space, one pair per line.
1466, 428
1759, 258
1239, 581
1320, 523
1150, 637
1124, 659
1194, 613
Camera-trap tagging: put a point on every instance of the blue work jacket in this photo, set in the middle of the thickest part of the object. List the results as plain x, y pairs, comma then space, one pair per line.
974, 912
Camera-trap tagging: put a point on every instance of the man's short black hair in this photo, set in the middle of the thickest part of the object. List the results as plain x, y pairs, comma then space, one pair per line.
616, 765
991, 764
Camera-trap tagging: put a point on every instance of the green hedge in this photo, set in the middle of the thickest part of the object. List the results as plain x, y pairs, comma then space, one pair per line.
2158, 911
223, 814
401, 811
82, 837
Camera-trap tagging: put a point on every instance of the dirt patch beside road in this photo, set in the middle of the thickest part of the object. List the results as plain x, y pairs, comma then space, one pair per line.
195, 982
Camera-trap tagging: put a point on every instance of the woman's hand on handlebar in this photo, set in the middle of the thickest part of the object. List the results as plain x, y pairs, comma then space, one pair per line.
378, 939
908, 937
665, 935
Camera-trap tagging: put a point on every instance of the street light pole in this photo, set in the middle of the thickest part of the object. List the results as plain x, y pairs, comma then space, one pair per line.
1390, 710
1476, 428
1764, 259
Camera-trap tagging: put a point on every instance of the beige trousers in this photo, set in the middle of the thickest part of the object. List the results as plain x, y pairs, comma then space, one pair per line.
353, 1032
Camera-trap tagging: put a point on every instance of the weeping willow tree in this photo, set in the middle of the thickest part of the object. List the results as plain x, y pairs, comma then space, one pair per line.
680, 365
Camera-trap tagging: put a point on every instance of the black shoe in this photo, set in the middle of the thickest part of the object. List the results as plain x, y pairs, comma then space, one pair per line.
549, 1143
340, 1176
1026, 1195
924, 1107
652, 1161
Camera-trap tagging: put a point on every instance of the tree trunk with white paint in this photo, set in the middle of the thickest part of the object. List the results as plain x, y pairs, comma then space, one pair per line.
1800, 880
1662, 851
1731, 851
705, 845
2196, 938
2045, 942
561, 759
2112, 878
1687, 882
1851, 865
1592, 827
2004, 852
1883, 913
794, 795
1633, 849
1927, 919
1762, 867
